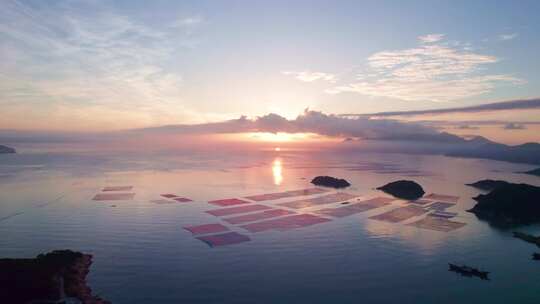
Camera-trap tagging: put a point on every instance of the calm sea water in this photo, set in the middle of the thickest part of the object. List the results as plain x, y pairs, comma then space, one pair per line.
142, 254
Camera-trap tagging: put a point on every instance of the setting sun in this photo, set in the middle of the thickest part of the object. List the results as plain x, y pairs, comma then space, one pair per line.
278, 137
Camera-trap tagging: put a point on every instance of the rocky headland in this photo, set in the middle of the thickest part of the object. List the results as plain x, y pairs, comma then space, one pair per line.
56, 277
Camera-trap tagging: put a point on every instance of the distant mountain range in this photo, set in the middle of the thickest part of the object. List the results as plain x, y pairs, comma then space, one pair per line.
480, 147
455, 146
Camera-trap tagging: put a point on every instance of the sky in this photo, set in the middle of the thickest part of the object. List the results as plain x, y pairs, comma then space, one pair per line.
111, 65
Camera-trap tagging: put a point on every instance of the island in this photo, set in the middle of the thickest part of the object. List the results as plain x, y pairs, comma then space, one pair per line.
58, 276
329, 181
488, 184
528, 238
509, 205
404, 189
535, 172
7, 150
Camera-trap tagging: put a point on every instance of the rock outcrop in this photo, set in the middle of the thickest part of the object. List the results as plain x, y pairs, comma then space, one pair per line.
48, 277
488, 184
508, 205
329, 181
404, 189
528, 238
535, 172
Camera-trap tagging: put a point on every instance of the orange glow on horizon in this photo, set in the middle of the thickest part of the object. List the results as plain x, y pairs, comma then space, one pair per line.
277, 137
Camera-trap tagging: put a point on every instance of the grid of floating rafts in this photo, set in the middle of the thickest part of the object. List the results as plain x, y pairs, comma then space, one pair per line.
115, 193
253, 214
170, 198
434, 205
253, 217
248, 214
438, 218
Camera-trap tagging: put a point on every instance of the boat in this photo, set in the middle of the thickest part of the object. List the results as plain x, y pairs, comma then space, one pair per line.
468, 271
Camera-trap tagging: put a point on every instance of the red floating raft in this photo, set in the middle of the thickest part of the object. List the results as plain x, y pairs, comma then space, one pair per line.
286, 223
356, 207
182, 199
113, 196
437, 224
207, 228
279, 195
440, 206
321, 200
442, 197
117, 188
161, 202
420, 202
228, 238
237, 210
257, 216
400, 214
228, 202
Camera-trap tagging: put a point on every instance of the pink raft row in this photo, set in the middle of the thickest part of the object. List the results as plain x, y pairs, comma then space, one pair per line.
206, 229
439, 206
321, 200
280, 195
437, 224
229, 238
443, 214
286, 223
117, 188
113, 196
177, 198
355, 208
237, 210
162, 202
252, 217
169, 195
400, 214
228, 202
182, 199
421, 202
442, 197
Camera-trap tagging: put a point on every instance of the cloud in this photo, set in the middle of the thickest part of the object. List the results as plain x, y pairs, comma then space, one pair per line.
188, 22
315, 122
433, 71
431, 38
513, 126
308, 76
504, 37
495, 106
85, 57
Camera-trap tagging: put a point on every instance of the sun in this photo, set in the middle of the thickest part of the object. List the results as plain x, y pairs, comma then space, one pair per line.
277, 149
277, 137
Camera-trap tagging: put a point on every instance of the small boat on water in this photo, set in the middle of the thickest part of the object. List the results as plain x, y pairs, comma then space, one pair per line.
468, 271
536, 256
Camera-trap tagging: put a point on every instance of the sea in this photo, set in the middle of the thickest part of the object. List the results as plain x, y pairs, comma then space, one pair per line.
142, 253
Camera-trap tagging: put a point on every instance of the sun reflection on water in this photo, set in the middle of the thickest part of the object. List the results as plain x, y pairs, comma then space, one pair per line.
277, 172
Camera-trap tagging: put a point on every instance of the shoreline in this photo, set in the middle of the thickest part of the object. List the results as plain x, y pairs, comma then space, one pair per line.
54, 277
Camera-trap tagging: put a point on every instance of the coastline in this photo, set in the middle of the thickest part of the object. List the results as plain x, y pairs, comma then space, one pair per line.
55, 277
